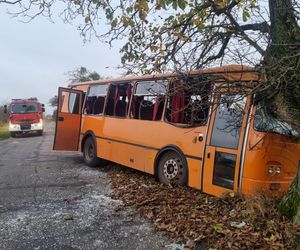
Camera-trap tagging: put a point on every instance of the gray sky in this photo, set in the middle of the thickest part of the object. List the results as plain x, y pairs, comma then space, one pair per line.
34, 57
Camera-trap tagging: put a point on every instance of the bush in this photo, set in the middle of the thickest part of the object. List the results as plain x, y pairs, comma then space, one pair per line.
290, 204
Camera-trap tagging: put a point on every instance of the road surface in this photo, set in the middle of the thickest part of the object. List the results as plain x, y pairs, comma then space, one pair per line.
51, 200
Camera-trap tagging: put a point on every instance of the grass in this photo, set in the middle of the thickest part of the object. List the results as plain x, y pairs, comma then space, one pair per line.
4, 133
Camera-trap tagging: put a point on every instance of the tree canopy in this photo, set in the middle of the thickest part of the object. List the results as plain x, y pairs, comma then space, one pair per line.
82, 74
182, 35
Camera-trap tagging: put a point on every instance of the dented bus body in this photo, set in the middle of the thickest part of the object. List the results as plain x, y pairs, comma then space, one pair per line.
136, 122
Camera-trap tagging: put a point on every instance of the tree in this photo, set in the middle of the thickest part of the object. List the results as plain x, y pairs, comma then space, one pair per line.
3, 116
53, 102
186, 34
81, 74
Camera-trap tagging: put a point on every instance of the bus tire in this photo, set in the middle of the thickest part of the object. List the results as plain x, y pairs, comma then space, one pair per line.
172, 169
13, 134
90, 154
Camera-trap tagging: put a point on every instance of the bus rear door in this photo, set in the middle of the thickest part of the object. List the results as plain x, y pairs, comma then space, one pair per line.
222, 157
68, 120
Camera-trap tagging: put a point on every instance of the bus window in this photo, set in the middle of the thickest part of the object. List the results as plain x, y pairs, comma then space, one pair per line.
148, 100
188, 102
224, 169
266, 121
69, 103
228, 121
95, 100
118, 99
74, 103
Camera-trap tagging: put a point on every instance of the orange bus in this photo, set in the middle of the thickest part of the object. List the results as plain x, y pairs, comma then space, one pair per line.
150, 123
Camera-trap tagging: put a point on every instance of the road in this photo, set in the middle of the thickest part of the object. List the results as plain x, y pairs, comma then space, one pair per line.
51, 200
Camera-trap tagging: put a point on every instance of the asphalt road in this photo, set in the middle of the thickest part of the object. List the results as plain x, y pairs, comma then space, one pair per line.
51, 200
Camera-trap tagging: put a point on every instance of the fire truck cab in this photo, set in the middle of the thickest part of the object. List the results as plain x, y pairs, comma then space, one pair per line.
25, 116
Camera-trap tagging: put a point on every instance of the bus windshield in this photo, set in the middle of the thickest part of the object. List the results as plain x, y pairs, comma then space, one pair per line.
23, 108
265, 121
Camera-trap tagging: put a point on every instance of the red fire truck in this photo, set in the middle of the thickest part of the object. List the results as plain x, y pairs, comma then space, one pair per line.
25, 116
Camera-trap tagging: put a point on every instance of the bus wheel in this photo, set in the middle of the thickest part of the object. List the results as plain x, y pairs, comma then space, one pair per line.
90, 154
172, 169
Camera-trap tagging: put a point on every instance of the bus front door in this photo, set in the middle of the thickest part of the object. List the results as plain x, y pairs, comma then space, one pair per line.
68, 120
222, 157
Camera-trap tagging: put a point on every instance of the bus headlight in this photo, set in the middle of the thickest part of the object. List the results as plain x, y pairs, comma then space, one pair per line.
277, 170
270, 170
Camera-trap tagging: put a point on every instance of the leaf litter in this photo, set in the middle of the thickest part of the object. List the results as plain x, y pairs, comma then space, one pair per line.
186, 215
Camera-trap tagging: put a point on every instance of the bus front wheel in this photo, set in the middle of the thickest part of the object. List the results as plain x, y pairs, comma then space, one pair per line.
172, 169
90, 154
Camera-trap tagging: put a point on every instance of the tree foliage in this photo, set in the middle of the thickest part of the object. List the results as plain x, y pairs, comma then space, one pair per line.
82, 74
53, 101
3, 116
181, 35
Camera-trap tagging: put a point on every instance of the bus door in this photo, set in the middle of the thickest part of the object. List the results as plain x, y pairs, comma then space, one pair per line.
222, 156
68, 120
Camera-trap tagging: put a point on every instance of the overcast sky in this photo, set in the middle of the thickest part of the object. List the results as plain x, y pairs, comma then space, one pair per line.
34, 57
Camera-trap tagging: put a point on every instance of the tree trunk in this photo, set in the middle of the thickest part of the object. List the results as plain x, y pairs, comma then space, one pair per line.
282, 62
290, 204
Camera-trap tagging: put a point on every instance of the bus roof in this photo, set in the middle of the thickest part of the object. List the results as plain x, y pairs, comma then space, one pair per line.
230, 73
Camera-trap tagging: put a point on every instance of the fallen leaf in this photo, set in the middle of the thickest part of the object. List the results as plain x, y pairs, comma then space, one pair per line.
218, 228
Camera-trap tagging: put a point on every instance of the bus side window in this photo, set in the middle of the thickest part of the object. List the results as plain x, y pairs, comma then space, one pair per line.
95, 100
69, 103
118, 99
148, 100
74, 103
188, 102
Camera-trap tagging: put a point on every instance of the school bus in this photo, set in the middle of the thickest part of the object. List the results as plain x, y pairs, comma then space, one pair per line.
150, 123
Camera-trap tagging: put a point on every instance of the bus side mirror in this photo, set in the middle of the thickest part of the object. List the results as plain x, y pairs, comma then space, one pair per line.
5, 109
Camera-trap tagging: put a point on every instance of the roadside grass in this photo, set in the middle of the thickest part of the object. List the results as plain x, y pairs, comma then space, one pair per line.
4, 133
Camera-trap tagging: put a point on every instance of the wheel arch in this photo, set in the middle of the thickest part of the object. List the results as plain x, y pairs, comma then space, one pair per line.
170, 148
86, 135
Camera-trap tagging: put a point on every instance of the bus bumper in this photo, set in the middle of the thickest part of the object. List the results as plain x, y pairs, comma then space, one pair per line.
273, 188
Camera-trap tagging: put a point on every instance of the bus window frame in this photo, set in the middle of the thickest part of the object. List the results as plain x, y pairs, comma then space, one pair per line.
129, 100
68, 105
87, 95
182, 125
135, 83
245, 111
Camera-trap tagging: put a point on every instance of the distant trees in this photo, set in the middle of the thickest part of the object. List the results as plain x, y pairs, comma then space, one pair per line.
82, 74
3, 116
53, 103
